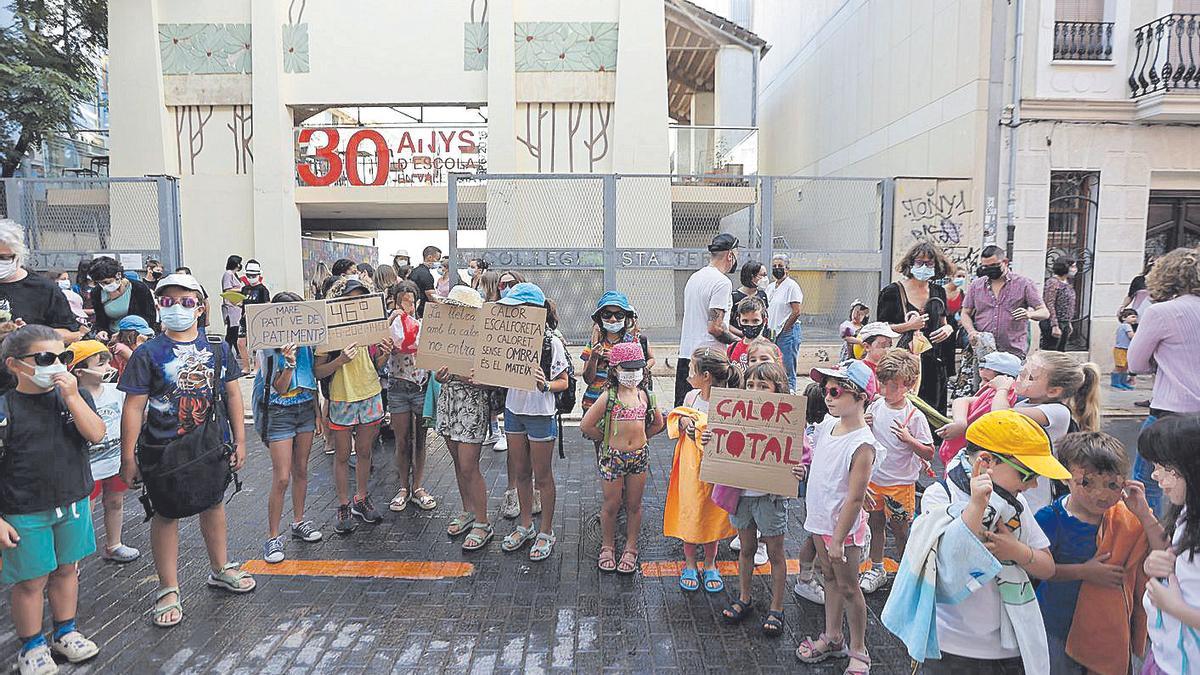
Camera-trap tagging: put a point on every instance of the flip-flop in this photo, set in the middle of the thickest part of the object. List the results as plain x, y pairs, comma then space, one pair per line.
712, 576
689, 580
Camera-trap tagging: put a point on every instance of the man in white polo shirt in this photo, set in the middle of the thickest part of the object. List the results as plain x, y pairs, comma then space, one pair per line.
706, 303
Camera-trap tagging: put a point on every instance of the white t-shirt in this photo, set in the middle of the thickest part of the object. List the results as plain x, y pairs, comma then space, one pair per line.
1059, 417
899, 464
972, 627
1166, 639
522, 402
706, 289
828, 477
779, 300
105, 456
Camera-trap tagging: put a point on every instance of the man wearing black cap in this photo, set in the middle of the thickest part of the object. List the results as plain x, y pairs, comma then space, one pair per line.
706, 304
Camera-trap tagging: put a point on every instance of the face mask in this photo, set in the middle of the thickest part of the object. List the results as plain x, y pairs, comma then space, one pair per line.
778, 272
64, 284
177, 318
614, 326
110, 288
105, 374
435, 266
156, 274
629, 378
752, 332
992, 272
960, 281
471, 271
922, 272
762, 284
8, 268
735, 264
254, 281
43, 376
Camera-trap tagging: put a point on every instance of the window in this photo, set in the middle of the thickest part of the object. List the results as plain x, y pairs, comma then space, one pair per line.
1074, 206
1091, 11
1187, 6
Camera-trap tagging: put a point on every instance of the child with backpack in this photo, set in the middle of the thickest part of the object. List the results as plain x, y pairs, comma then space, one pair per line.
406, 401
530, 427
91, 365
615, 324
45, 480
622, 421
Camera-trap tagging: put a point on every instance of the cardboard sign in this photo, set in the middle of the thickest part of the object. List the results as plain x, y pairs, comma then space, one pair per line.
449, 338
274, 325
510, 345
358, 320
757, 438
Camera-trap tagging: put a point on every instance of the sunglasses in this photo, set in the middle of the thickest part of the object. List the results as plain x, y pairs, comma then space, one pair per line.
1027, 475
48, 358
834, 391
616, 316
187, 302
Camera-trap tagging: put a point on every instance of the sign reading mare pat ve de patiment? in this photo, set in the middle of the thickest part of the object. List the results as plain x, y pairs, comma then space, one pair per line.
274, 325
757, 437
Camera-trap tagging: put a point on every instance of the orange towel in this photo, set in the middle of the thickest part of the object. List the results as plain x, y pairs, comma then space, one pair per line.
1109, 623
689, 514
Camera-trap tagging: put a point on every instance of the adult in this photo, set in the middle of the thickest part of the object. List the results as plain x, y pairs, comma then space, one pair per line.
475, 269
443, 278
366, 273
784, 298
1059, 295
29, 298
154, 272
231, 311
1138, 296
256, 293
401, 258
116, 296
917, 305
707, 299
422, 276
1002, 302
1165, 344
342, 267
384, 278
317, 283
488, 285
506, 281
83, 286
754, 280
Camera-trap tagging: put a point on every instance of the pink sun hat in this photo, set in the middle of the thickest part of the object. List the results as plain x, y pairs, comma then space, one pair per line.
627, 355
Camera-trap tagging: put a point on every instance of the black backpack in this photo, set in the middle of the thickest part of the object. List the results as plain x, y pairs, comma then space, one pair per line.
564, 401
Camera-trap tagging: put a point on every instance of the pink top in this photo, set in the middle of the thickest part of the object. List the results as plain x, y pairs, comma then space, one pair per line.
1165, 345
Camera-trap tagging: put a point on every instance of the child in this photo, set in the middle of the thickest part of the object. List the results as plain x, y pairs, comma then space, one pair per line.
967, 409
623, 420
689, 513
761, 516
762, 350
90, 365
256, 293
842, 458
1120, 377
287, 410
406, 401
1097, 539
132, 332
1172, 600
904, 439
809, 585
45, 520
852, 344
877, 337
529, 425
1059, 394
977, 534
169, 389
614, 319
464, 414
751, 316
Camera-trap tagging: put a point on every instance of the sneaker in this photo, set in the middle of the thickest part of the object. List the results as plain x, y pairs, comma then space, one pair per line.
510, 508
364, 509
37, 661
306, 531
344, 524
501, 443
810, 590
735, 544
329, 450
74, 647
760, 555
872, 580
537, 502
122, 554
273, 550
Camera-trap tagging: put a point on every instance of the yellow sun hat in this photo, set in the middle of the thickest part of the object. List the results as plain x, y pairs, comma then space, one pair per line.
1009, 433
85, 349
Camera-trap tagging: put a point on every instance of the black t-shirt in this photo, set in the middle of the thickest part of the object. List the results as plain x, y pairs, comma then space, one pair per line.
256, 294
423, 278
45, 464
37, 300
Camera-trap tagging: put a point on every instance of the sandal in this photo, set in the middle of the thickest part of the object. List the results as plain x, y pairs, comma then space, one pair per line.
862, 658
629, 561
517, 538
476, 541
231, 581
737, 611
423, 500
712, 581
773, 625
809, 653
460, 523
158, 612
689, 579
608, 559
543, 546
400, 501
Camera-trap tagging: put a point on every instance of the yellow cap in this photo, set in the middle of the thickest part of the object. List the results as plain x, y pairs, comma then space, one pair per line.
1009, 433
85, 349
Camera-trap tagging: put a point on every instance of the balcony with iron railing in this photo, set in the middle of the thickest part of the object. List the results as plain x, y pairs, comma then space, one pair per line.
1166, 56
1083, 41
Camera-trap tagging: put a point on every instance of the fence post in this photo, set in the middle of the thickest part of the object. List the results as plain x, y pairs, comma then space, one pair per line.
167, 191
12, 198
610, 231
767, 231
452, 223
885, 238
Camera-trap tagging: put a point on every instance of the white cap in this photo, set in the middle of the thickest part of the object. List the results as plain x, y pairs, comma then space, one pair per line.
401, 253
873, 329
179, 280
253, 268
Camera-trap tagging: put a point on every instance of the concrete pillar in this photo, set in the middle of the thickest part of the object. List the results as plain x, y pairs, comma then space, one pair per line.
501, 89
138, 117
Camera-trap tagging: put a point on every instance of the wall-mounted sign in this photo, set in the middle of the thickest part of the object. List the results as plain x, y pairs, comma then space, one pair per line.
420, 155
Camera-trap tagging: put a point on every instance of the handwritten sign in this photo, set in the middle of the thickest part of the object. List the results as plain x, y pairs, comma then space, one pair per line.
449, 338
274, 325
757, 438
360, 320
510, 345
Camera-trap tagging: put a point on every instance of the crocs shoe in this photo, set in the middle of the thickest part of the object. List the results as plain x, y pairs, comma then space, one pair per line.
36, 661
122, 554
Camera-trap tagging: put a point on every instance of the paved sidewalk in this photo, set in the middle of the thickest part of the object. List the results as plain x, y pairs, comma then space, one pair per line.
506, 615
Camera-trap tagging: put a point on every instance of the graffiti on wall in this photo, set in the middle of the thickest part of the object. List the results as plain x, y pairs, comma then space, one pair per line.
314, 251
938, 211
565, 137
198, 152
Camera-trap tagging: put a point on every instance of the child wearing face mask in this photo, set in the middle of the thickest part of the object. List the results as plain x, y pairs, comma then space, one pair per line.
91, 364
615, 324
752, 316
45, 480
852, 345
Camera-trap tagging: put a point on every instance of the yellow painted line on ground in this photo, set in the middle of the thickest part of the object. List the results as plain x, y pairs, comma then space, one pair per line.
398, 569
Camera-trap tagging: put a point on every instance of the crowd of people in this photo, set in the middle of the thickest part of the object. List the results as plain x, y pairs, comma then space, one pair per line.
1022, 544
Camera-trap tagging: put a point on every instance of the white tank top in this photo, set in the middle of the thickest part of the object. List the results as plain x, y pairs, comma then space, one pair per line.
829, 475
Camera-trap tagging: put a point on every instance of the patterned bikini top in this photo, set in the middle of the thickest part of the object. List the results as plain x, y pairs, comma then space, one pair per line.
622, 413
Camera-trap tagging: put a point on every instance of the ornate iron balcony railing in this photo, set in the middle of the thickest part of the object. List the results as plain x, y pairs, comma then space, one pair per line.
1083, 40
1166, 55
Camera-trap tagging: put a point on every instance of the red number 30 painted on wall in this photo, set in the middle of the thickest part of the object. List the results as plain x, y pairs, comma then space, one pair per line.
328, 152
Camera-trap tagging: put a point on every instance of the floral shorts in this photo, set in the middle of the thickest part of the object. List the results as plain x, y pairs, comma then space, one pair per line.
345, 415
617, 463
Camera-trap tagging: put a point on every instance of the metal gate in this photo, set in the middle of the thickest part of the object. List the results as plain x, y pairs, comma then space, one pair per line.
577, 235
68, 220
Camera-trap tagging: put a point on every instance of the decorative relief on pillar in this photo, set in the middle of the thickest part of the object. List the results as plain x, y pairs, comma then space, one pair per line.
557, 46
565, 137
475, 38
204, 48
295, 39
199, 152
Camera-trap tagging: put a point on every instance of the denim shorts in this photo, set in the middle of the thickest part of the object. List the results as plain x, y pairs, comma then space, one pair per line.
285, 422
768, 513
48, 539
536, 427
405, 397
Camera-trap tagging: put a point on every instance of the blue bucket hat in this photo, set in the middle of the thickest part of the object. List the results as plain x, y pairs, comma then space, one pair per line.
137, 323
524, 293
613, 299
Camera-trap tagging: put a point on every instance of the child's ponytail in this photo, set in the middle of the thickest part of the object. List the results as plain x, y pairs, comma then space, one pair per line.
1080, 385
716, 363
1086, 402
